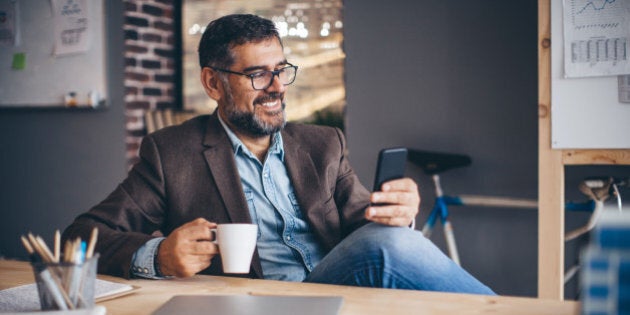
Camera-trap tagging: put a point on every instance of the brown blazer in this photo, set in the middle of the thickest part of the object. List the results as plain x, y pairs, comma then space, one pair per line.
189, 171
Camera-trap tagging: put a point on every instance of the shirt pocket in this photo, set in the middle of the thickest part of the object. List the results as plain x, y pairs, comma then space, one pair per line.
296, 206
251, 204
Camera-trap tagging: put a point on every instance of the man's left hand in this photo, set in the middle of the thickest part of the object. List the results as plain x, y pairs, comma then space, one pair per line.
397, 204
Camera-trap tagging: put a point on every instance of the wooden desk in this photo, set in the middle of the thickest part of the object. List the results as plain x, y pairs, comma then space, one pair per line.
154, 293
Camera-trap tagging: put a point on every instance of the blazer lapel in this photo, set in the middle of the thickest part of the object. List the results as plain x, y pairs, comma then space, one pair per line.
304, 177
220, 159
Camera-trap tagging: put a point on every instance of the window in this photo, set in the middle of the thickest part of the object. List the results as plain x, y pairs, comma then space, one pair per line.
312, 34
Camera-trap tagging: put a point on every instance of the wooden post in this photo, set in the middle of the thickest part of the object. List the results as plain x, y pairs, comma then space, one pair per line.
550, 174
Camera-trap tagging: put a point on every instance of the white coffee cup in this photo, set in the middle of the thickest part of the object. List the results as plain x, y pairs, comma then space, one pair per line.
236, 245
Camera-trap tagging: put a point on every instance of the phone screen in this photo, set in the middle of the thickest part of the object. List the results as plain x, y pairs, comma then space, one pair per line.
390, 165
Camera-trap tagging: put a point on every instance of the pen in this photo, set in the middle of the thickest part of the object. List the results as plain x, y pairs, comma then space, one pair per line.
76, 251
76, 275
79, 257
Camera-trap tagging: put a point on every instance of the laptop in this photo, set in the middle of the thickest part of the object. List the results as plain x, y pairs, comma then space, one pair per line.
251, 304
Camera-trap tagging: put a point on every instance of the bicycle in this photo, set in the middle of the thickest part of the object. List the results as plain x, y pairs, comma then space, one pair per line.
598, 190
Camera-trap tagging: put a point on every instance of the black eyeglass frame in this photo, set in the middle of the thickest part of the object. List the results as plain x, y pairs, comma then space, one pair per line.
251, 76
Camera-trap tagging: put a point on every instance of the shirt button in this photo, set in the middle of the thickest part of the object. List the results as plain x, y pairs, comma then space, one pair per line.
145, 270
288, 238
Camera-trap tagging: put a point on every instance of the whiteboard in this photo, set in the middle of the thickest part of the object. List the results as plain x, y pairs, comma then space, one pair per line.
46, 79
585, 112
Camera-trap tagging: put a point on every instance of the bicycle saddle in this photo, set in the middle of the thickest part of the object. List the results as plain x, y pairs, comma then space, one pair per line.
435, 162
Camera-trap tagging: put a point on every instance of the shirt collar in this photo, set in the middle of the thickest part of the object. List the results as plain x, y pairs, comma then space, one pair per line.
277, 146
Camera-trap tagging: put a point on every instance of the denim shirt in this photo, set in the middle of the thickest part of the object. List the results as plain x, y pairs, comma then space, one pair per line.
287, 247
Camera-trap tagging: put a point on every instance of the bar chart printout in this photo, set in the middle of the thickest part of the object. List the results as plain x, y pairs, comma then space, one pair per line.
596, 37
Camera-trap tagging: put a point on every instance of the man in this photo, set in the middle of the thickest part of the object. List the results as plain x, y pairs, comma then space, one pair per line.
244, 163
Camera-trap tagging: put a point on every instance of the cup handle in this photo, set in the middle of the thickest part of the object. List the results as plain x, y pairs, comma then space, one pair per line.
213, 234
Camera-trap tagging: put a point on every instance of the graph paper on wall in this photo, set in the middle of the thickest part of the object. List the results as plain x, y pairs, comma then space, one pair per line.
596, 37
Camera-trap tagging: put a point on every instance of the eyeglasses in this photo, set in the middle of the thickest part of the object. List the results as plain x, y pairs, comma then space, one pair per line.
261, 80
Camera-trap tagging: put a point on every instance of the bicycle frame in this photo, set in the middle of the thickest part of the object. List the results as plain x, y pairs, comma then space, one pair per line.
440, 210
597, 189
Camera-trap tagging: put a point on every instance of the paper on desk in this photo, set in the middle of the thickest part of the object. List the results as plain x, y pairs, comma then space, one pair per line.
25, 298
97, 310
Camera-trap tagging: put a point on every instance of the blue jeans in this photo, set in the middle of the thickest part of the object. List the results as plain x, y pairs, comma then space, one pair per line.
393, 257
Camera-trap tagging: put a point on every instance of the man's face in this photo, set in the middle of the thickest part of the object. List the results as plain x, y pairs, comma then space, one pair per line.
254, 112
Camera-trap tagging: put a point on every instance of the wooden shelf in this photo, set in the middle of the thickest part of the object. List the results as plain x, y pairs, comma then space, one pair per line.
596, 157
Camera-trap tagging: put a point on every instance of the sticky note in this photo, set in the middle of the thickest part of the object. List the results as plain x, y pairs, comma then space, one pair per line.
19, 61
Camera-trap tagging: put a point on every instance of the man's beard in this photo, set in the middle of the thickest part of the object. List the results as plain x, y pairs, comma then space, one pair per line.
249, 122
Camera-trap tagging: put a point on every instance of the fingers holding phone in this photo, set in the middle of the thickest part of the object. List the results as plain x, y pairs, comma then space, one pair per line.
397, 204
395, 200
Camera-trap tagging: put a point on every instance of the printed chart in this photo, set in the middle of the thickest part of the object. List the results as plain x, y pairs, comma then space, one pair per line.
596, 37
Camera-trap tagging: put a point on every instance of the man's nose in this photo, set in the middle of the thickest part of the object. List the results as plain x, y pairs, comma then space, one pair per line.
276, 85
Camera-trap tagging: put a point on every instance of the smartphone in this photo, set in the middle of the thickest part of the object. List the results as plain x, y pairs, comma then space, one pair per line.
390, 165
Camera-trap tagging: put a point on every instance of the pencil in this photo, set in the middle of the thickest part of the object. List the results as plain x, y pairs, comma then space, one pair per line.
38, 249
91, 244
45, 248
67, 248
26, 245
57, 245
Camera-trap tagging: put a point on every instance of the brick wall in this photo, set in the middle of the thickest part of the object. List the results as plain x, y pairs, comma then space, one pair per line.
149, 65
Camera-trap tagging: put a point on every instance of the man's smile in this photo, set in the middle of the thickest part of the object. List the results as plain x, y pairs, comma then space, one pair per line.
270, 102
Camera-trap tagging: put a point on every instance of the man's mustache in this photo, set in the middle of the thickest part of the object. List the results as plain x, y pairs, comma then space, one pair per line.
273, 96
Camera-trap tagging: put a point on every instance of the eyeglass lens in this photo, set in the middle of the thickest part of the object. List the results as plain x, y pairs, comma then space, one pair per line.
265, 78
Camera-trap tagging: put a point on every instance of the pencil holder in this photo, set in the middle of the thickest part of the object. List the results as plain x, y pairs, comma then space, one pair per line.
66, 286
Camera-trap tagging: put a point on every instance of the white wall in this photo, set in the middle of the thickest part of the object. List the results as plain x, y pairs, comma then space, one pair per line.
56, 163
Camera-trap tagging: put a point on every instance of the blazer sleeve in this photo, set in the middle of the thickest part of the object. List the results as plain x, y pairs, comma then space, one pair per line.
128, 216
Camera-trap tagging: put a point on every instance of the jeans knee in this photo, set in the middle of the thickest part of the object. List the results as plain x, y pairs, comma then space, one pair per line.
393, 257
394, 242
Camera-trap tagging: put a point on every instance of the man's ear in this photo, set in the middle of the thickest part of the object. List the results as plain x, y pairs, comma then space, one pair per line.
211, 83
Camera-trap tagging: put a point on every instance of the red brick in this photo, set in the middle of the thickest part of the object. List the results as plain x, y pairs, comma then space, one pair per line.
152, 37
131, 90
138, 105
152, 10
130, 7
135, 76
136, 49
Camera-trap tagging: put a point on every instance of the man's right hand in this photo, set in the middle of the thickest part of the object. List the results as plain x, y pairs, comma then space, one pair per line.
188, 249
